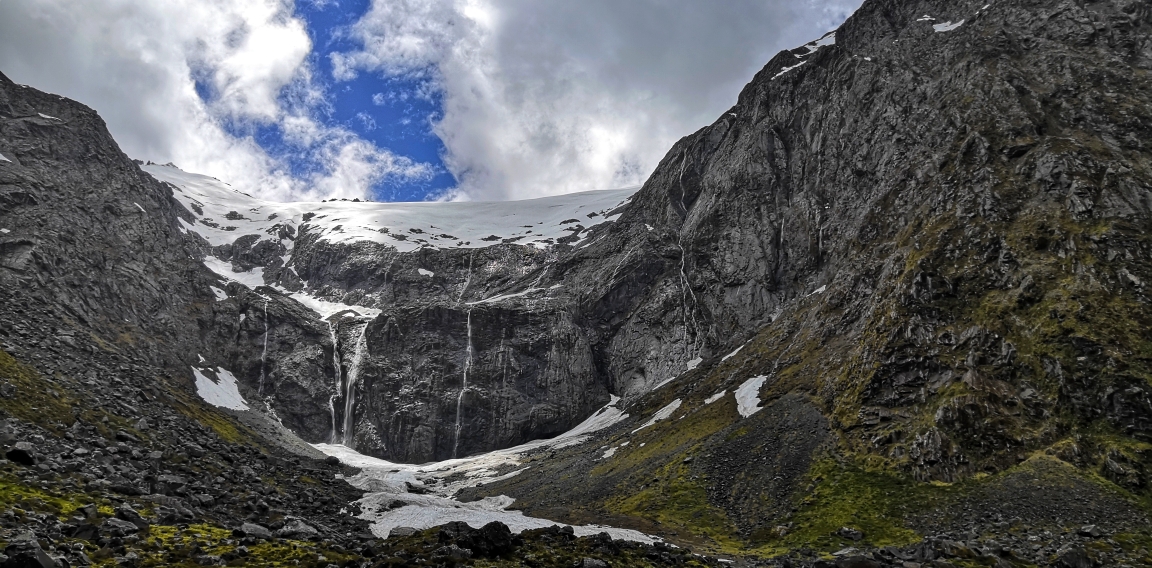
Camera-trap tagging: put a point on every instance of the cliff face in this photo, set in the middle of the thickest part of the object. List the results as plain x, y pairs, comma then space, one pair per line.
413, 332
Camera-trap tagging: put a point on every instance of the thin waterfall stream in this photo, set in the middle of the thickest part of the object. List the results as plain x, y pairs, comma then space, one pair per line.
464, 385
339, 375
264, 355
350, 388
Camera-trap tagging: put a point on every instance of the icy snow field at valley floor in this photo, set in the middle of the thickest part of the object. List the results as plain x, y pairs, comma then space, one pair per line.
389, 503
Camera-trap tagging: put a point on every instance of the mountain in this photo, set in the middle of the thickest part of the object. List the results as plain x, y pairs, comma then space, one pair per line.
894, 299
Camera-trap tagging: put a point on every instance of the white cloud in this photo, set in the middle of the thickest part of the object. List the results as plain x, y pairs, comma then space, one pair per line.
552, 96
539, 96
137, 63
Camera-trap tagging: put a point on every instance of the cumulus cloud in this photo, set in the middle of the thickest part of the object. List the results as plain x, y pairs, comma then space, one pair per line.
185, 80
552, 96
538, 97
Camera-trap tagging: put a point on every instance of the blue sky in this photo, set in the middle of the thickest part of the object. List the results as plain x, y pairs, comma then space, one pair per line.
398, 100
395, 113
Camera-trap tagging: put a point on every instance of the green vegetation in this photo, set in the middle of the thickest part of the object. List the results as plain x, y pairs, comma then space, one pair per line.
680, 503
17, 495
223, 425
875, 502
50, 405
173, 546
657, 484
37, 401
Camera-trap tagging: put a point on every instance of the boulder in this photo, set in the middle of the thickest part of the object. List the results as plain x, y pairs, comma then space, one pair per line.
127, 513
296, 529
452, 552
120, 526
22, 453
1074, 558
254, 530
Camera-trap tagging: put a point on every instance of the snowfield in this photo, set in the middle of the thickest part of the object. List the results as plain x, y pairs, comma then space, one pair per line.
224, 214
389, 504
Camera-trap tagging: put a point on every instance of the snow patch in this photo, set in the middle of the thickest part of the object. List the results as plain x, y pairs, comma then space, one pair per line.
253, 278
220, 294
661, 414
42, 115
826, 40
649, 227
327, 309
3, 158
819, 290
732, 354
222, 392
139, 207
748, 396
427, 273
787, 69
503, 297
609, 453
427, 511
715, 397
947, 26
695, 363
5, 231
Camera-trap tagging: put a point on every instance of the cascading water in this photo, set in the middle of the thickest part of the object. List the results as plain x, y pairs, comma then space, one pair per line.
350, 389
264, 355
339, 378
685, 285
464, 386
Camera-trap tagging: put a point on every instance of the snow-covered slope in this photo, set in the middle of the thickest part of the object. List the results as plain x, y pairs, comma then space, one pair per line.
224, 214
390, 502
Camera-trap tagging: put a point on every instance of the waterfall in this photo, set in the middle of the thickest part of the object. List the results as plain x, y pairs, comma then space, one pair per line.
464, 386
264, 355
686, 287
339, 377
350, 389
